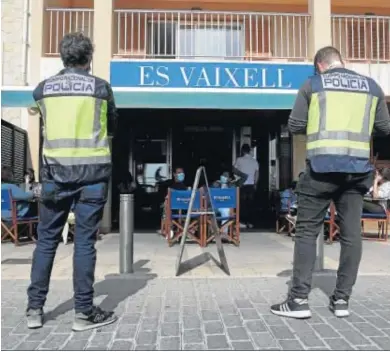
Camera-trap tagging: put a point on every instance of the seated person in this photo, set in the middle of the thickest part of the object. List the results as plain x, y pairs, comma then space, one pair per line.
224, 182
24, 208
31, 184
380, 193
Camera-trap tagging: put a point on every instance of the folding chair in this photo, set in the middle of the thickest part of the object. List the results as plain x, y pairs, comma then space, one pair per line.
283, 208
10, 226
382, 219
330, 220
229, 224
175, 216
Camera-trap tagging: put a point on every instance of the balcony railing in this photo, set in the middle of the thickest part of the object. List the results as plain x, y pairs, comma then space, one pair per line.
210, 35
362, 38
63, 21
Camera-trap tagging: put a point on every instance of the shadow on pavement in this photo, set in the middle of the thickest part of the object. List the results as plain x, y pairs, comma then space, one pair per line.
116, 290
325, 280
194, 262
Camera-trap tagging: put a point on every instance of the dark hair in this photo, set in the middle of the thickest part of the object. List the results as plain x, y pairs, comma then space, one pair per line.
177, 168
245, 149
76, 49
327, 55
7, 175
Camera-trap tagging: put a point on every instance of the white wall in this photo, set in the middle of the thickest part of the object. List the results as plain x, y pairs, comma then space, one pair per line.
380, 72
50, 66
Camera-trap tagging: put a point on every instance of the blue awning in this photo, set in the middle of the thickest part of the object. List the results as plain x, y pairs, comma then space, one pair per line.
20, 97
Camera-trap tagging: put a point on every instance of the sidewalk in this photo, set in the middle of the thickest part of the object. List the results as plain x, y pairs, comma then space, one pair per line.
203, 309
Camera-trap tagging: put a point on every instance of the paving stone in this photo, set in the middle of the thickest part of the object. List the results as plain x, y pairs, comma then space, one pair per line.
367, 348
82, 335
315, 319
130, 319
191, 322
232, 320
264, 340
54, 341
354, 338
192, 336
299, 325
237, 334
209, 315
309, 339
386, 331
169, 344
272, 319
39, 334
243, 346
354, 318
5, 332
213, 327
290, 345
362, 311
339, 344
170, 329
149, 324
171, 317
325, 331
217, 342
368, 330
126, 331
146, 348
228, 309
10, 342
249, 314
255, 326
72, 345
194, 347
378, 322
382, 342
189, 310
339, 324
282, 332
243, 303
122, 345
146, 338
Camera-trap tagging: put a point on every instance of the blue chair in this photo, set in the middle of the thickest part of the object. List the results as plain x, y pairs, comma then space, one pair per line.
226, 198
283, 208
10, 225
176, 212
382, 219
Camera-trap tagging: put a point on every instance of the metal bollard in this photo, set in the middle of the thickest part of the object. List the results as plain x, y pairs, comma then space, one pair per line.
126, 234
320, 251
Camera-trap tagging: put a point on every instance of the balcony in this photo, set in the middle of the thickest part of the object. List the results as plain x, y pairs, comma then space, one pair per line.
200, 35
62, 21
364, 39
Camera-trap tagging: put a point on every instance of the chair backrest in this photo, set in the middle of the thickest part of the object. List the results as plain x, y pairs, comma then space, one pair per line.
6, 200
287, 197
180, 200
224, 197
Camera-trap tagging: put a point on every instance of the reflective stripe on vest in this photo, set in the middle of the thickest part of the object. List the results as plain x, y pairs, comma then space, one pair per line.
75, 130
340, 123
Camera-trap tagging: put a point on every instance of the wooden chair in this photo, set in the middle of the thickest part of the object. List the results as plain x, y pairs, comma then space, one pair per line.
229, 228
283, 208
175, 215
330, 220
15, 226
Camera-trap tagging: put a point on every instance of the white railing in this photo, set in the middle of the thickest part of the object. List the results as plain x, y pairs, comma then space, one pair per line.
63, 21
210, 35
362, 38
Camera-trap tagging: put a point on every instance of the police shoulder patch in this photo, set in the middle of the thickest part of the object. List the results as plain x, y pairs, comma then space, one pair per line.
70, 83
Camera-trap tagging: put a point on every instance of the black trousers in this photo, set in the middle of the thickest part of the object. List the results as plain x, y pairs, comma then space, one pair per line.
247, 194
372, 207
316, 191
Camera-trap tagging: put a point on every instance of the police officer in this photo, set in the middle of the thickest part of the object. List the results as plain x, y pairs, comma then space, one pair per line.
77, 110
337, 109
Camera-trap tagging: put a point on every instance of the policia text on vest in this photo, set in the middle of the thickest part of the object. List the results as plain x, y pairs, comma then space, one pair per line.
77, 111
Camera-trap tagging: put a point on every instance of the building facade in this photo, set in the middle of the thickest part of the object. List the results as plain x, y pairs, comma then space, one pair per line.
247, 58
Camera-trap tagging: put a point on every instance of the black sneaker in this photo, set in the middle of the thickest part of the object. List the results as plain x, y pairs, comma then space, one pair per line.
339, 307
34, 318
293, 308
97, 318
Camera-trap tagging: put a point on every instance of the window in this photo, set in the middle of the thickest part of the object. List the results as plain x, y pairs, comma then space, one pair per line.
369, 39
200, 41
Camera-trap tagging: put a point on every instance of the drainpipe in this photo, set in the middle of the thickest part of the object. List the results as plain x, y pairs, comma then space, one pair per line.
26, 38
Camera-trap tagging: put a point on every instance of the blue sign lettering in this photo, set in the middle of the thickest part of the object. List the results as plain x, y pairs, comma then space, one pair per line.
194, 74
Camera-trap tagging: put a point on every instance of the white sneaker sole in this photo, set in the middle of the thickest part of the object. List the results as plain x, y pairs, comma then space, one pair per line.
34, 325
302, 314
340, 313
80, 327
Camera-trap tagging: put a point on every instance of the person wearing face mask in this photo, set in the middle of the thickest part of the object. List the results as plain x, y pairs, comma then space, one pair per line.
78, 113
337, 109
